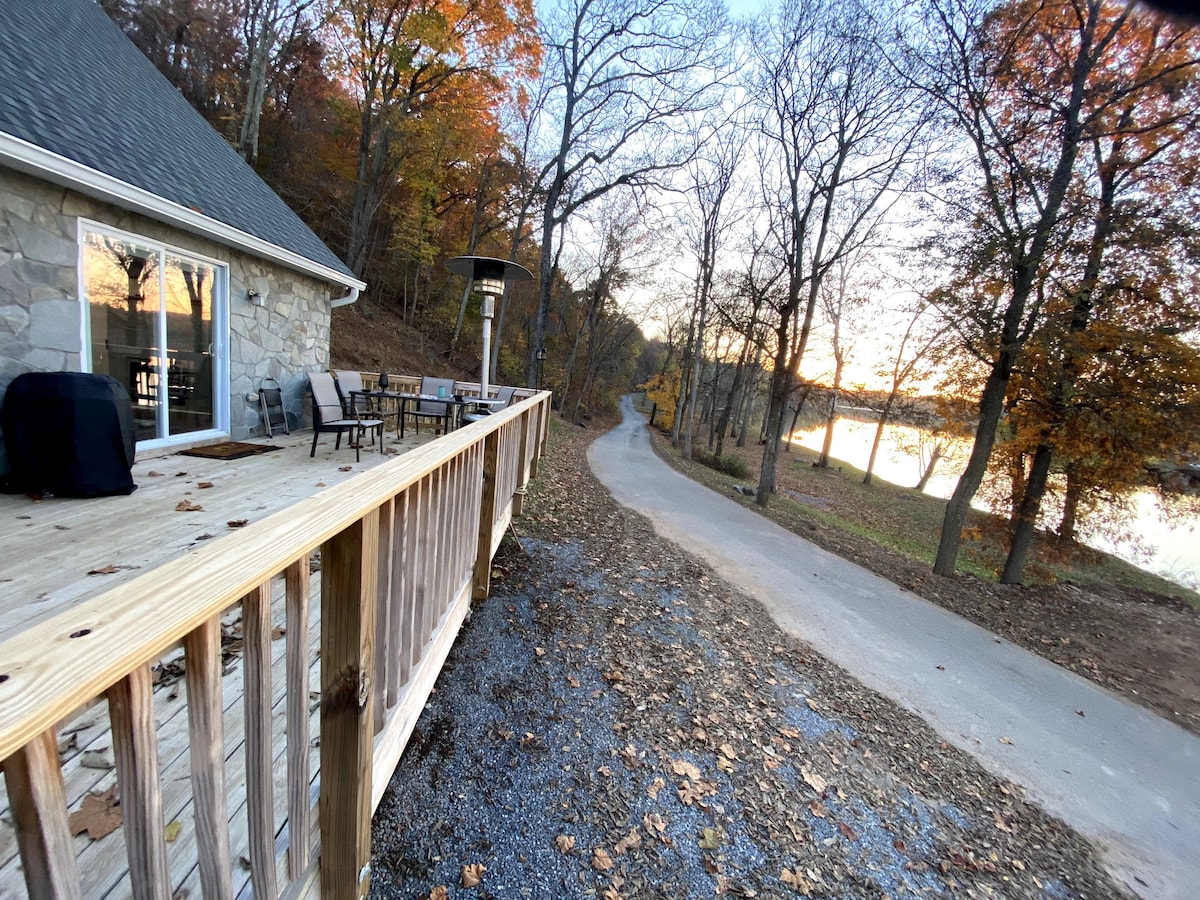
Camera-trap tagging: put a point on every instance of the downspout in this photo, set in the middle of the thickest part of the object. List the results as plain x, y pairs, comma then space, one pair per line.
335, 302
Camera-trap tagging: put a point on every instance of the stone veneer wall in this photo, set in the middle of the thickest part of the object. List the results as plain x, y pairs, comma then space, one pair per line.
40, 315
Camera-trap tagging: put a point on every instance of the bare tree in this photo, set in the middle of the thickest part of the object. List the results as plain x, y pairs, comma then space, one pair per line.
916, 354
269, 28
622, 75
840, 128
711, 175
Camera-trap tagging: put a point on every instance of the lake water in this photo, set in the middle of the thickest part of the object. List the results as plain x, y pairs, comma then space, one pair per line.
1170, 550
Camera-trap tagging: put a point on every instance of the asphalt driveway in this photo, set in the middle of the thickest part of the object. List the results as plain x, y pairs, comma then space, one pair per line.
1120, 775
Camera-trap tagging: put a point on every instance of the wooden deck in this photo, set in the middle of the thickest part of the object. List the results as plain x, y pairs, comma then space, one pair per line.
249, 736
48, 547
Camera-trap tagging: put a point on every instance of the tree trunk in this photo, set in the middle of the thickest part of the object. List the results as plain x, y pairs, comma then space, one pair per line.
935, 456
1074, 493
1026, 525
830, 421
991, 404
880, 425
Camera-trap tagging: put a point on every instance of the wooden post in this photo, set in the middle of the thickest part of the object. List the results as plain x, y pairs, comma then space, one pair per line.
131, 713
349, 569
206, 750
481, 579
39, 808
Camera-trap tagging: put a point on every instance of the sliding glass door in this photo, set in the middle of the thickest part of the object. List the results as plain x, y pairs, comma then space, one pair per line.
154, 319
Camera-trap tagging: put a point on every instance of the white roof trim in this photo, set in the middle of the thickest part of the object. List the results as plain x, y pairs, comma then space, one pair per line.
33, 160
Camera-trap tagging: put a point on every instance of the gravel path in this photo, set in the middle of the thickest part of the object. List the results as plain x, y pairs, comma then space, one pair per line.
617, 722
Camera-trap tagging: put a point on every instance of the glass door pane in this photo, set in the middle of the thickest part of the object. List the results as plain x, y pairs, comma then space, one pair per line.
189, 290
121, 279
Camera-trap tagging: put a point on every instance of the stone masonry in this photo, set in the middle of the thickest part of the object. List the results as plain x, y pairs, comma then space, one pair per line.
41, 316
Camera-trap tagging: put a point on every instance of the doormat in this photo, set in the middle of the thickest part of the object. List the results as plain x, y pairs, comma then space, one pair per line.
228, 450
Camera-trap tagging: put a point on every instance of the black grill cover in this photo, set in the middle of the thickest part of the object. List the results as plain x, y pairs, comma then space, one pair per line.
69, 434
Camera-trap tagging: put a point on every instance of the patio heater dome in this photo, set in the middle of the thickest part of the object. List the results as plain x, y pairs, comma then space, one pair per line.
489, 276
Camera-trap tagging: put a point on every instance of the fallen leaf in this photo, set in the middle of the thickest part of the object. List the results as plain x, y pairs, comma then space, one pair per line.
99, 815
540, 651
1001, 823
277, 632
685, 768
345, 468
847, 831
654, 822
709, 839
629, 756
601, 861
1079, 712
628, 842
439, 893
1005, 740
1018, 865
172, 831
565, 843
655, 786
153, 474
728, 752
796, 880
724, 764
813, 780
813, 704
817, 808
237, 523
187, 506
204, 484
106, 570
472, 875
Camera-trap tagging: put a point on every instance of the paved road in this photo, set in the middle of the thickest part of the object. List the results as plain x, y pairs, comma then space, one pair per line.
1124, 777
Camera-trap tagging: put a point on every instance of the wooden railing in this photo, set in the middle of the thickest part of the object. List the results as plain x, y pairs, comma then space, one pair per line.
402, 549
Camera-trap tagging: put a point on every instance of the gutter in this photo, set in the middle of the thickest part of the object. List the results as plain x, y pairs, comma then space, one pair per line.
33, 160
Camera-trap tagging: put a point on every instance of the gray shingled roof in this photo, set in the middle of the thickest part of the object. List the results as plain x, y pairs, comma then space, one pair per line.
73, 84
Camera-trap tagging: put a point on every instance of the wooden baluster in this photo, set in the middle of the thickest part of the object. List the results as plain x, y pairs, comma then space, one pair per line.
481, 581
296, 601
206, 750
402, 575
385, 656
428, 562
131, 713
256, 663
348, 599
39, 809
523, 467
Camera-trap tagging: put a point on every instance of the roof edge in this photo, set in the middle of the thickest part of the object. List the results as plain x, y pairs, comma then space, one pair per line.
33, 160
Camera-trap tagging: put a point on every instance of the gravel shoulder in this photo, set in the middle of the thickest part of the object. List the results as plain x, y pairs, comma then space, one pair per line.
615, 721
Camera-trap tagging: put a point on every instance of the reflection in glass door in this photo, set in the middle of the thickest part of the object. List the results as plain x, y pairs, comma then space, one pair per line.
151, 322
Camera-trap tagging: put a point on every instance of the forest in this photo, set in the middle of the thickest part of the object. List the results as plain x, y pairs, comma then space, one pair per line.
985, 212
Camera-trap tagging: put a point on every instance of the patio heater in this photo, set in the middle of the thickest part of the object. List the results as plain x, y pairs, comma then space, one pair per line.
489, 276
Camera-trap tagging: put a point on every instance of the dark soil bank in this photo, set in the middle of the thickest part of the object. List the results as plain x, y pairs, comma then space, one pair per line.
616, 722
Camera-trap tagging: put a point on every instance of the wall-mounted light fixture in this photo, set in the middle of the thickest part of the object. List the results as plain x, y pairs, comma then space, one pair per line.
489, 276
254, 297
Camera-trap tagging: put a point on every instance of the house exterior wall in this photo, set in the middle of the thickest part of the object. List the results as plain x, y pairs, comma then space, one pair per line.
40, 314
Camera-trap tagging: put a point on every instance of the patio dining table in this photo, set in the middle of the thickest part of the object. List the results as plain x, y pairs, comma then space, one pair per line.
403, 399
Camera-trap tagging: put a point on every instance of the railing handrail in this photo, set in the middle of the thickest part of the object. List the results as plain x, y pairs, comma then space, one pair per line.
47, 673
